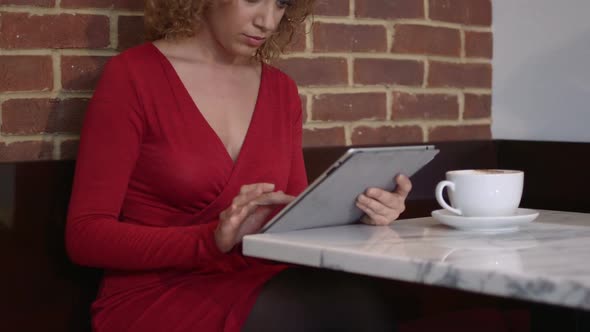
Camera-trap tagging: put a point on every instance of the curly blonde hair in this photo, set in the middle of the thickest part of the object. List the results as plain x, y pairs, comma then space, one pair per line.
174, 19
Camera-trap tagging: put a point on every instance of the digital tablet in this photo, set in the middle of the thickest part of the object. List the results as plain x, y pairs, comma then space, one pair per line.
330, 199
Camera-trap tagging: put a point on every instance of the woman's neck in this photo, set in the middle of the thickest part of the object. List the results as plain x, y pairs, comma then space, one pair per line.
204, 47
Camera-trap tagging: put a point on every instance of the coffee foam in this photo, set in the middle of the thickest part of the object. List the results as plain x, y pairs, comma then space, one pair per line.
494, 171
484, 171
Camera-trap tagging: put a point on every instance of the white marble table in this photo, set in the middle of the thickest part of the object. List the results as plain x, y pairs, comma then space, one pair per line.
546, 261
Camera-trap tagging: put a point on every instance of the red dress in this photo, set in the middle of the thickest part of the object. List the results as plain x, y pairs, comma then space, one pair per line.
151, 179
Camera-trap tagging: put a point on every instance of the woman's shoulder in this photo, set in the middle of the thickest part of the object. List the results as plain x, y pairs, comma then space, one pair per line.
280, 77
124, 74
135, 59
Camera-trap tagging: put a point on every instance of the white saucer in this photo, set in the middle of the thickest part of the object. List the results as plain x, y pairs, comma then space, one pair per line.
486, 224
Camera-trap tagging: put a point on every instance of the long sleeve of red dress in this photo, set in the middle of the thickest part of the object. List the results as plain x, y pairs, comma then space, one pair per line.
151, 179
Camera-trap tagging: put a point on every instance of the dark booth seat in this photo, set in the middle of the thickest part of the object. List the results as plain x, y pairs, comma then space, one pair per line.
41, 290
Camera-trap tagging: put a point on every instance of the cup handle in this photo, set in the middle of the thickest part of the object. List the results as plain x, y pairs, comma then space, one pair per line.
439, 196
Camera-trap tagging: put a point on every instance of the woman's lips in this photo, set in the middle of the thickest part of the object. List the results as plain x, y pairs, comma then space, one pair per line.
254, 41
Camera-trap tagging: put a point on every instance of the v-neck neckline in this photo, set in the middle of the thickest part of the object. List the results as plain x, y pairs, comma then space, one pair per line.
197, 110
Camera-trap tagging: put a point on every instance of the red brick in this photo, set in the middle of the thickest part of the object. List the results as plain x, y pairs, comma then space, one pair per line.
389, 9
131, 31
363, 135
477, 106
349, 38
25, 73
424, 106
19, 30
324, 137
460, 133
37, 3
349, 107
388, 71
473, 12
119, 4
298, 42
304, 107
460, 75
81, 72
422, 39
69, 149
318, 71
332, 8
29, 150
479, 44
37, 116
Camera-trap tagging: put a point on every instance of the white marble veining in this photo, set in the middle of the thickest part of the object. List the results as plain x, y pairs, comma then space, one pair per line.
547, 260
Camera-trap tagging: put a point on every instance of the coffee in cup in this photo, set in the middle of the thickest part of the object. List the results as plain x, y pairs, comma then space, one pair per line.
482, 192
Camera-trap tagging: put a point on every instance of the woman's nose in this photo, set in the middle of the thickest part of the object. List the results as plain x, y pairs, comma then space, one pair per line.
268, 17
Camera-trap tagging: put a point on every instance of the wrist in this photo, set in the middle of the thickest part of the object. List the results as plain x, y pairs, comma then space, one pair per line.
220, 243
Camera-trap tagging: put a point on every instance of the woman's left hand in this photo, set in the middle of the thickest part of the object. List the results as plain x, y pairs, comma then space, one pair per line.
383, 207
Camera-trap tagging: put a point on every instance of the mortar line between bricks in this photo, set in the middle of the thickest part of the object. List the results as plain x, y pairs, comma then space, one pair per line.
427, 10
426, 133
114, 31
56, 11
351, 8
347, 134
389, 104
46, 52
57, 3
385, 56
15, 138
46, 94
426, 73
390, 35
475, 59
26, 52
56, 153
350, 70
55, 57
397, 123
87, 52
462, 35
461, 100
65, 136
308, 37
1, 104
308, 105
384, 89
374, 21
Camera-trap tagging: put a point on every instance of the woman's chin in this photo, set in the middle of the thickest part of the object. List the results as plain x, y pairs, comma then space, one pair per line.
241, 51
245, 50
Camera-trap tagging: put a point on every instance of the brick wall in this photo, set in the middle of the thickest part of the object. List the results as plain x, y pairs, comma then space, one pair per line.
369, 71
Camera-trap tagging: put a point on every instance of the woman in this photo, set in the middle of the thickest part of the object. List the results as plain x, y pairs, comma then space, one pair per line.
189, 143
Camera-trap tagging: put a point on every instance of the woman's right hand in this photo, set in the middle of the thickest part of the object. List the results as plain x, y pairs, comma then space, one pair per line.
247, 213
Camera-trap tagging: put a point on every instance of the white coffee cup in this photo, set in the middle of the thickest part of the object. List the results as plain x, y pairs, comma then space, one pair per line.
482, 193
